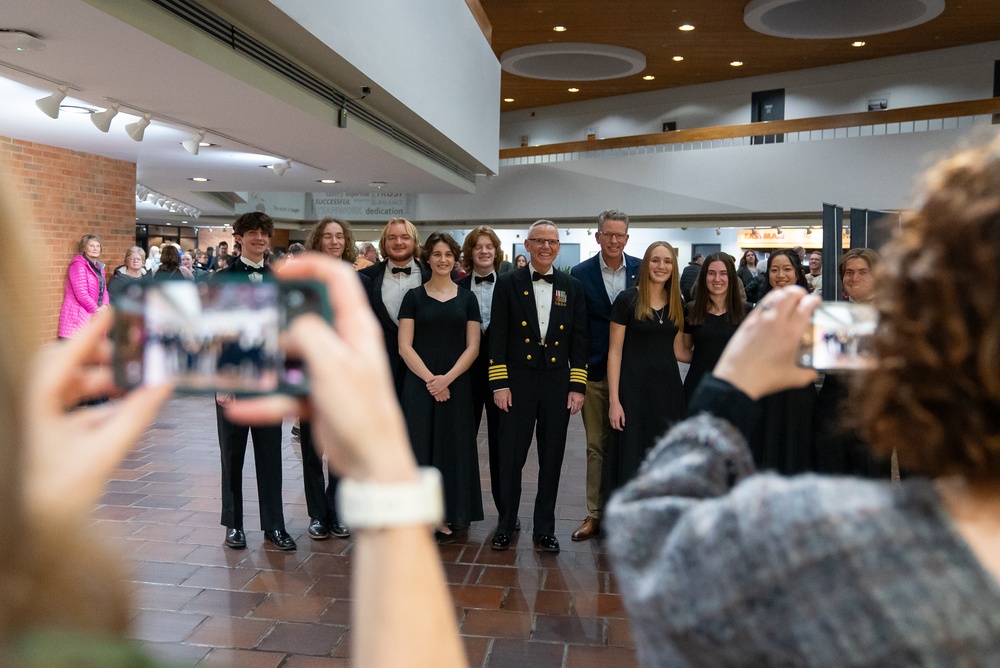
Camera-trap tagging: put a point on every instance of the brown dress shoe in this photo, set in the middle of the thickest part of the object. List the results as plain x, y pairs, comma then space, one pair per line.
590, 528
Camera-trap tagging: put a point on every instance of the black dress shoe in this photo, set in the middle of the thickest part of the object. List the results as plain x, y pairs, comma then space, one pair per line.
318, 530
443, 538
280, 538
340, 530
546, 543
501, 541
235, 538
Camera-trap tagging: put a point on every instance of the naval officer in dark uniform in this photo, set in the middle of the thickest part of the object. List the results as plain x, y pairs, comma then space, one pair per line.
253, 231
538, 374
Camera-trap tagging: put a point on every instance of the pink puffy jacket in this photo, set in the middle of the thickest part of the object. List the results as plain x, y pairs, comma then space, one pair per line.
83, 296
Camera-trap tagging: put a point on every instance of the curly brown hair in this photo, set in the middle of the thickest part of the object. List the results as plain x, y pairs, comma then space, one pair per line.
314, 242
935, 396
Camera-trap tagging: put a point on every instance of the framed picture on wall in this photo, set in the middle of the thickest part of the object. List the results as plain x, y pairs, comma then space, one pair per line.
705, 249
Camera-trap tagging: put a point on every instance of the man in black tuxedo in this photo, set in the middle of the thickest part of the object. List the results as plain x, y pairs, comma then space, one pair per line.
391, 279
253, 231
538, 374
481, 258
604, 277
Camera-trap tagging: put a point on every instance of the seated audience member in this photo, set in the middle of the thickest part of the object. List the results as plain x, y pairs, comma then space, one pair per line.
721, 567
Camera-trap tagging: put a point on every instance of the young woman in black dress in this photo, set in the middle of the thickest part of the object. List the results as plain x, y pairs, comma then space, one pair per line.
644, 382
438, 341
783, 441
711, 319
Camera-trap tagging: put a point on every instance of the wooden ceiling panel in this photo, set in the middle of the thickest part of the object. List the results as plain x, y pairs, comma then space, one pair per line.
720, 36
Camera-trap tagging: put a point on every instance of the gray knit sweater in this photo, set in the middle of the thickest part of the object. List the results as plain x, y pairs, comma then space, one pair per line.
719, 568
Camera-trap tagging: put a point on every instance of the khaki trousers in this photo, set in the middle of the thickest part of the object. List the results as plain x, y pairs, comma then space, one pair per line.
598, 427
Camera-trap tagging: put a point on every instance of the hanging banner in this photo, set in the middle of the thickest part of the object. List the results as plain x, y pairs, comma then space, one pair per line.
363, 206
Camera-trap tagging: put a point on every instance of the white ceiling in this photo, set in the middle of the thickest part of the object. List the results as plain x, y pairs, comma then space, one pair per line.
102, 58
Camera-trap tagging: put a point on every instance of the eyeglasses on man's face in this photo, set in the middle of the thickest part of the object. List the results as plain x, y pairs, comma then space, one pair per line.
614, 236
543, 242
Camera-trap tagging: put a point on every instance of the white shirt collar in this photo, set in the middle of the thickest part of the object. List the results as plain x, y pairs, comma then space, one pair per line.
255, 265
605, 265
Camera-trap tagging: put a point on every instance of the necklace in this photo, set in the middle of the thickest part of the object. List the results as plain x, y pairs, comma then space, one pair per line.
659, 314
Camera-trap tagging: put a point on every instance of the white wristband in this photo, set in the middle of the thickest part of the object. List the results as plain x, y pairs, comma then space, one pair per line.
373, 505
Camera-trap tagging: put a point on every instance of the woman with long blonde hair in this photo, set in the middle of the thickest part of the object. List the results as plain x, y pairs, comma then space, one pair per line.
644, 382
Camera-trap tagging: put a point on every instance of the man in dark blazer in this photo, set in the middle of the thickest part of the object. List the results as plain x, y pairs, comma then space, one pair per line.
391, 279
253, 231
604, 277
481, 258
538, 374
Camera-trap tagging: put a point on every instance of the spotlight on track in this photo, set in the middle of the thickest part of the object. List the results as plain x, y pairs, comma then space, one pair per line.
50, 104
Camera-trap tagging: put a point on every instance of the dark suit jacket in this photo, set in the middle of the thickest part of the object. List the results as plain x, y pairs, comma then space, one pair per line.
588, 273
505, 267
515, 337
390, 330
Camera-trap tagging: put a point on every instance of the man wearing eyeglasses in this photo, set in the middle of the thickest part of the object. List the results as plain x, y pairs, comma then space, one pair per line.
538, 375
604, 277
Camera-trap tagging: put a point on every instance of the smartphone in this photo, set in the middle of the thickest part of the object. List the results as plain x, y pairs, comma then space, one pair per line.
841, 337
221, 335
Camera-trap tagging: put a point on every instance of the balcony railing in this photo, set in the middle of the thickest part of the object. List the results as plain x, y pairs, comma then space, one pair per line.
927, 118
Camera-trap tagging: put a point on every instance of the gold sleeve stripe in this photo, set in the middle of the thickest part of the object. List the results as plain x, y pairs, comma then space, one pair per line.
498, 372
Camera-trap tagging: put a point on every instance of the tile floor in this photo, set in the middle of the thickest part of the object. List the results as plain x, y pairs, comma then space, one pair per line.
200, 603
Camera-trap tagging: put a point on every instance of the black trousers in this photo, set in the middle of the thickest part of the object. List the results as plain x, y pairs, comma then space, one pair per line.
267, 458
482, 397
538, 398
322, 505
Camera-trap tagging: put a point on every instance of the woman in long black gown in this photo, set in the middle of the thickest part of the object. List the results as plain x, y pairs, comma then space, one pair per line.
644, 383
711, 319
783, 441
439, 341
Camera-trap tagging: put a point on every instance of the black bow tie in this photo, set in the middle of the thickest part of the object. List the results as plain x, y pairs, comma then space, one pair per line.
489, 279
548, 278
402, 270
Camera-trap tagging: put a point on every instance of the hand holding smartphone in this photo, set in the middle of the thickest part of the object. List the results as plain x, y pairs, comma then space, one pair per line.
218, 336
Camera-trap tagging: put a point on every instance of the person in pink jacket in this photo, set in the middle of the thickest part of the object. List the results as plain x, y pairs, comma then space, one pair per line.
86, 290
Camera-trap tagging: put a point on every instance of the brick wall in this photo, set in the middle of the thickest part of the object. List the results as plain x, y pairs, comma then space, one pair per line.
69, 194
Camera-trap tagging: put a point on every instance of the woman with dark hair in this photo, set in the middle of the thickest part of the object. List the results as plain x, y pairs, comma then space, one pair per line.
748, 268
439, 340
520, 261
722, 567
710, 319
86, 291
783, 441
645, 392
170, 268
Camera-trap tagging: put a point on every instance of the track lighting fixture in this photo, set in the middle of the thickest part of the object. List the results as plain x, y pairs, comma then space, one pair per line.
137, 129
50, 104
281, 167
102, 119
192, 145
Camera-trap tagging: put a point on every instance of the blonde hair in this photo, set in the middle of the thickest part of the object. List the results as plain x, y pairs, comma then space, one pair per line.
675, 306
411, 229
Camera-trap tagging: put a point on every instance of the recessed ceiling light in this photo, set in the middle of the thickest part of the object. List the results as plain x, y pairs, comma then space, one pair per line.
857, 43
687, 27
737, 63
573, 90
200, 179
678, 59
508, 99
648, 77
560, 28
326, 181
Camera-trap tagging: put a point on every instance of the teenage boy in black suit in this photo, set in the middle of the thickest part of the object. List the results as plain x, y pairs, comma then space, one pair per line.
253, 231
481, 258
538, 374
391, 279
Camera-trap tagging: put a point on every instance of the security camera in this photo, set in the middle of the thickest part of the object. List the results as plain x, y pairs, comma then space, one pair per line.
366, 90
